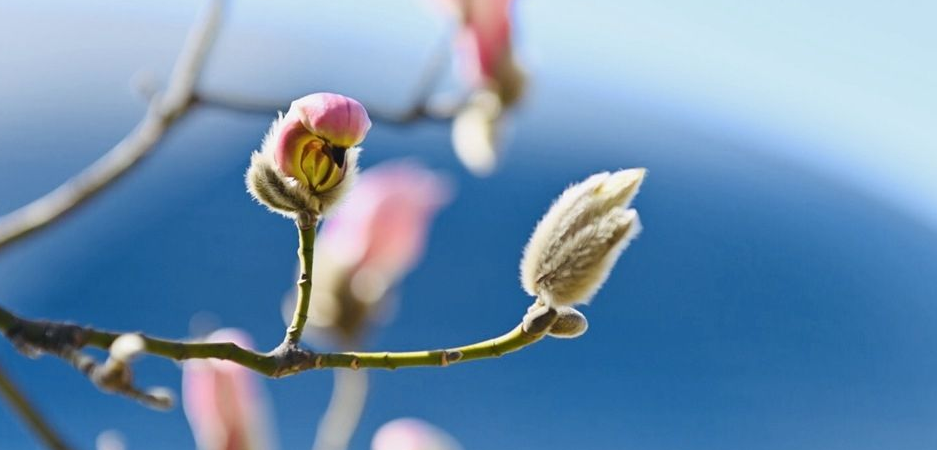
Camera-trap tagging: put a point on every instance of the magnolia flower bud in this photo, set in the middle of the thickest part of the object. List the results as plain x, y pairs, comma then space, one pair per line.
575, 245
476, 130
226, 403
412, 434
369, 244
336, 119
308, 156
314, 136
484, 49
485, 56
569, 323
110, 440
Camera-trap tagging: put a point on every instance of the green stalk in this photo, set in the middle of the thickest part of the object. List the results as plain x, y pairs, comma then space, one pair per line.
307, 240
282, 361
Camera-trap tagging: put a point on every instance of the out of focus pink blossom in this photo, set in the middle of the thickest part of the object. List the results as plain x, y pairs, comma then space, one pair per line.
484, 52
374, 238
383, 224
484, 38
412, 434
225, 403
487, 34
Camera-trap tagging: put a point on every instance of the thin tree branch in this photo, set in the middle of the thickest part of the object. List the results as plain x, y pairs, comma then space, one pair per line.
35, 337
420, 107
116, 377
164, 111
22, 406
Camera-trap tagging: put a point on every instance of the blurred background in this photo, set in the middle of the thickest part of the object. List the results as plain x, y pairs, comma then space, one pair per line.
782, 294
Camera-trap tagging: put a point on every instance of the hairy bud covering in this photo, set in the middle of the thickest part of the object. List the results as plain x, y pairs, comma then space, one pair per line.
569, 323
575, 245
308, 160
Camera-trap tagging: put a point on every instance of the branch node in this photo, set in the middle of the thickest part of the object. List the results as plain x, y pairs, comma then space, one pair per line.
453, 356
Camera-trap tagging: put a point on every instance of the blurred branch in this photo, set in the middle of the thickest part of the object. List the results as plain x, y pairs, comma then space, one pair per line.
420, 106
33, 337
338, 424
115, 377
164, 110
22, 406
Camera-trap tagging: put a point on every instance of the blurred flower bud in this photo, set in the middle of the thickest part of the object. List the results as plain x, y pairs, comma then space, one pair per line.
412, 434
484, 47
338, 120
115, 374
126, 346
371, 242
110, 440
224, 402
160, 398
575, 245
476, 132
484, 51
569, 323
308, 155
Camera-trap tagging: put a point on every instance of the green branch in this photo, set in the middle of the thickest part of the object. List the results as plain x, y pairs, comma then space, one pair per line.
60, 338
307, 241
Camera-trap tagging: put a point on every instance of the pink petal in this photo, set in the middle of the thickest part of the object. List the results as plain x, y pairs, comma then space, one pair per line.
224, 402
336, 118
384, 222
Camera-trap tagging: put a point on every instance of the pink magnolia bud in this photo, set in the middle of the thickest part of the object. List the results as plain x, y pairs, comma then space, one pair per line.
371, 241
487, 33
224, 402
483, 46
412, 434
314, 135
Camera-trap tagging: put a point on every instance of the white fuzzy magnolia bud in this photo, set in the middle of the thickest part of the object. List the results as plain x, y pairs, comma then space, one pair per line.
476, 131
569, 323
575, 245
289, 197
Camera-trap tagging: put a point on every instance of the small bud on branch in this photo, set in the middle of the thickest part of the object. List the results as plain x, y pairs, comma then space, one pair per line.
308, 159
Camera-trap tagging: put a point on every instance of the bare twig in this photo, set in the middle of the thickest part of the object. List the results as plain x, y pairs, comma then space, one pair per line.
117, 379
419, 109
22, 406
164, 110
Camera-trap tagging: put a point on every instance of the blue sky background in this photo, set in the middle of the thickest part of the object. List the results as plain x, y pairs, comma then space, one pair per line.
781, 295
